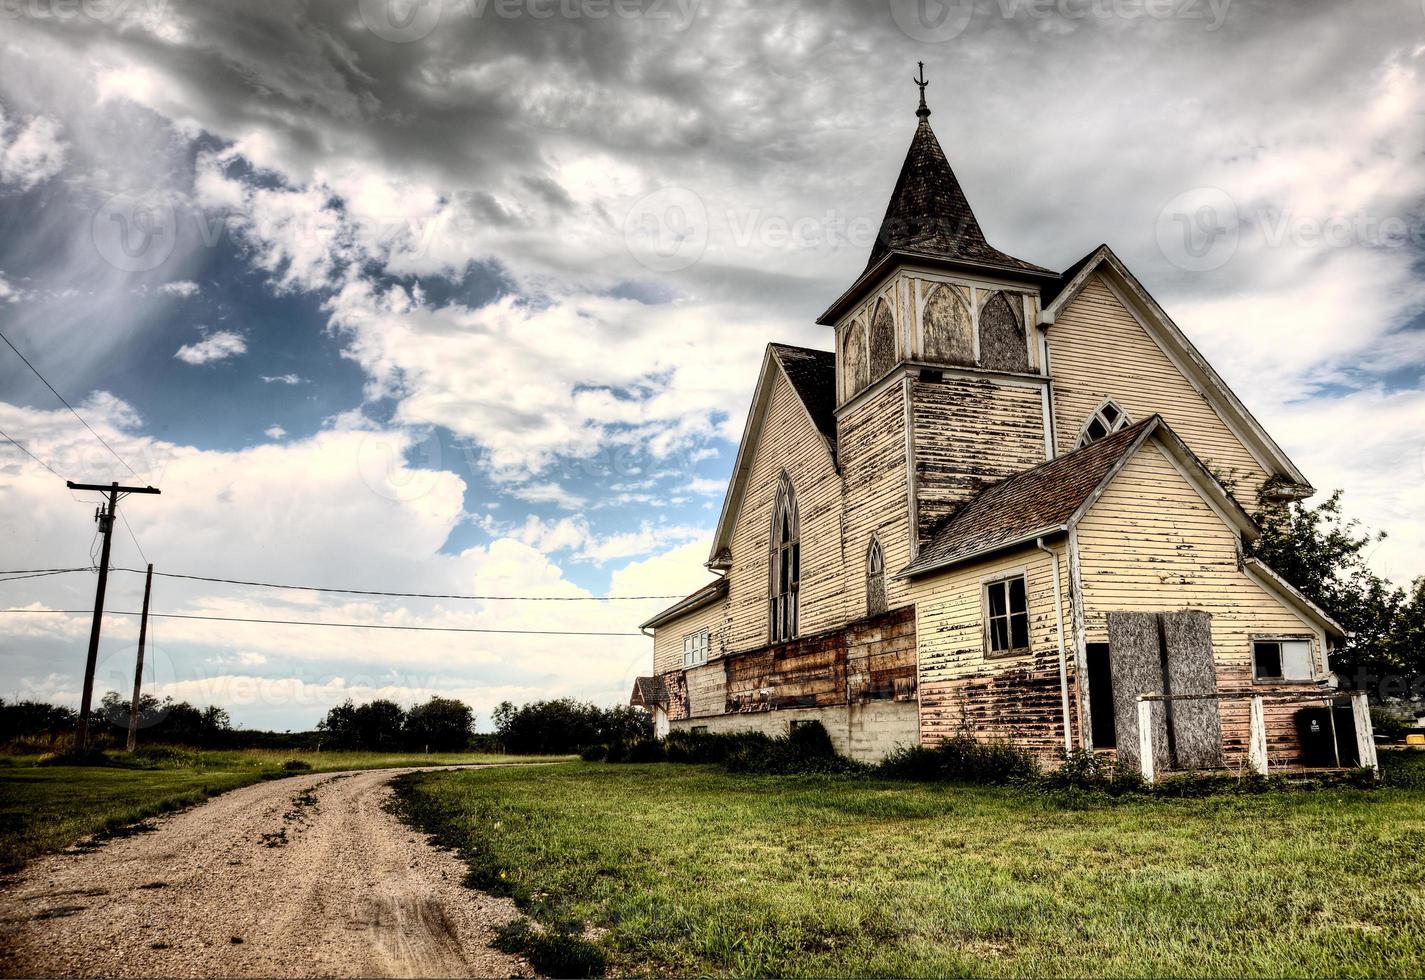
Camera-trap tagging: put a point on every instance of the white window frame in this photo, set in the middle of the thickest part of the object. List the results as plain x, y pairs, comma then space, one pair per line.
1280, 638
987, 631
696, 647
1122, 422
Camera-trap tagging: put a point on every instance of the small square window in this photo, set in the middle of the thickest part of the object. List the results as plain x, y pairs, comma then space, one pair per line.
696, 647
1281, 660
1007, 608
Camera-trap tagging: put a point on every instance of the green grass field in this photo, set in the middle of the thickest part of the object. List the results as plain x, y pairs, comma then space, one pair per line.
46, 809
687, 870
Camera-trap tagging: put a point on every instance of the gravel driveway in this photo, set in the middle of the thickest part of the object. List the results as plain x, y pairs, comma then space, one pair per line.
301, 877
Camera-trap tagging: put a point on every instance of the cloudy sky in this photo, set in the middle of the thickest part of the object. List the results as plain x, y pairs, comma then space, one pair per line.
468, 296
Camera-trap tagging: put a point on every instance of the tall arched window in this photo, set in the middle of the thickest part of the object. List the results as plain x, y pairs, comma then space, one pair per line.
883, 341
1107, 419
785, 564
875, 579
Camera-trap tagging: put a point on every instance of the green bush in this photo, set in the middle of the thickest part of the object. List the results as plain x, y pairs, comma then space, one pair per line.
296, 765
1388, 723
961, 759
594, 753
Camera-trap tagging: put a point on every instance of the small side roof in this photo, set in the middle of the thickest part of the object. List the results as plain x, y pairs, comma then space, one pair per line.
1052, 497
648, 692
706, 596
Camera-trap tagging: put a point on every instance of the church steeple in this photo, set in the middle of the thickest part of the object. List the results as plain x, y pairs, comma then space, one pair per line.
929, 213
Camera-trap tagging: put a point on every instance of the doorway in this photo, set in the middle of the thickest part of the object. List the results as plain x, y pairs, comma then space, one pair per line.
1102, 724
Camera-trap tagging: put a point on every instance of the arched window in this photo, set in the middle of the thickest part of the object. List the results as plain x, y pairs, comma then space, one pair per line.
948, 327
785, 564
1107, 419
1002, 343
853, 357
875, 579
883, 341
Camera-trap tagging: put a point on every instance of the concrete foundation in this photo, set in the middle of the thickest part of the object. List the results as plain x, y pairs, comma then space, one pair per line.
868, 731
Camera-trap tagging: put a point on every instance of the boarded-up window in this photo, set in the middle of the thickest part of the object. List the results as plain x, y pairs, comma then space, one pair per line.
1002, 343
1166, 654
853, 357
883, 341
949, 333
875, 579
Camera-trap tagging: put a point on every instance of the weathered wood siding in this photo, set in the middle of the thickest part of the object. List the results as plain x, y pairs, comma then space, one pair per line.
871, 440
1015, 699
1151, 544
970, 432
788, 442
869, 660
707, 689
1098, 350
668, 638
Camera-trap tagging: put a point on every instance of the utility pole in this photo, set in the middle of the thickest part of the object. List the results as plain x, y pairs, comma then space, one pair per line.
106, 528
138, 670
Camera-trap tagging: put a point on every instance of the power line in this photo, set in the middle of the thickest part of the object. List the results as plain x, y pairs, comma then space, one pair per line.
134, 536
66, 405
20, 446
55, 571
303, 622
410, 595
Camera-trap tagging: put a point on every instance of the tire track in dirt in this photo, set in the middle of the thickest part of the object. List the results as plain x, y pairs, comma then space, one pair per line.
302, 877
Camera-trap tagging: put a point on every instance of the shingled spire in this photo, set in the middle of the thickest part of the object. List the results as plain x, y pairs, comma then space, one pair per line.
929, 212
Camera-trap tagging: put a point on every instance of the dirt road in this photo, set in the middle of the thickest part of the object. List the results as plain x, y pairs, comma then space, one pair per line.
300, 877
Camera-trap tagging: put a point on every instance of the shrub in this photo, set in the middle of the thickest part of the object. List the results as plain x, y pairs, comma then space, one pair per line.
961, 759
594, 753
1388, 723
566, 725
296, 765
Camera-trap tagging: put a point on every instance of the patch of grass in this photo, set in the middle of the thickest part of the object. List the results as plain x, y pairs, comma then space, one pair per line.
690, 870
553, 952
47, 805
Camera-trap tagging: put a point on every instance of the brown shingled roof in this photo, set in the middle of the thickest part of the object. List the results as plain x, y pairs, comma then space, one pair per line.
813, 376
648, 691
1030, 504
929, 213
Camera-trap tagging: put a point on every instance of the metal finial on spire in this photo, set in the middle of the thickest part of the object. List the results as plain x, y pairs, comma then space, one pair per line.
924, 111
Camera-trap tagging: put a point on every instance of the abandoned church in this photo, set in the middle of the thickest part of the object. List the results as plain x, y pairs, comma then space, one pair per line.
1013, 503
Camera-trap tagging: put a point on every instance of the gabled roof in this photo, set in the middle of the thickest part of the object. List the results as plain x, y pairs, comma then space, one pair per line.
1178, 349
1050, 498
706, 596
811, 375
649, 691
929, 213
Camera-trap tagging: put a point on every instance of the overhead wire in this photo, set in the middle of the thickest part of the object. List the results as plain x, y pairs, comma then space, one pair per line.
301, 622
66, 404
21, 446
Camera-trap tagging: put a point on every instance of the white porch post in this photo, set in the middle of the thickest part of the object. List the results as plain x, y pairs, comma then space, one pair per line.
1145, 739
1257, 738
1365, 734
660, 722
